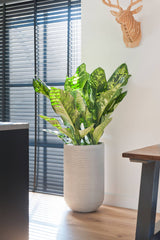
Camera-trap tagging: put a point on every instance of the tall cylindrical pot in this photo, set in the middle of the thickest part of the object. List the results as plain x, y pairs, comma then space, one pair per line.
84, 177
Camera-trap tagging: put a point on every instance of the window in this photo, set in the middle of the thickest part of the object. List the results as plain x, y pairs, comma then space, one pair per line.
43, 38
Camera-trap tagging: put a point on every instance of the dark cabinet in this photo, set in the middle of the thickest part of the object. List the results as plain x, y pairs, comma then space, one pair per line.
14, 184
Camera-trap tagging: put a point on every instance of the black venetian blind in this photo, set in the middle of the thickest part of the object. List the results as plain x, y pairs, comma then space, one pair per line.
43, 38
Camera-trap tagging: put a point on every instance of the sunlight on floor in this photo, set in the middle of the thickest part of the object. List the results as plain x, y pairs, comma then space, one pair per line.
51, 219
46, 214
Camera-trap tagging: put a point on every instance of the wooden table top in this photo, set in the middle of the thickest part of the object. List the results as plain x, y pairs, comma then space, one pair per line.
148, 153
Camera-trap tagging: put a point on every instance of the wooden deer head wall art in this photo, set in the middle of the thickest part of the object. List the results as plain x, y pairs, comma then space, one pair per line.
130, 27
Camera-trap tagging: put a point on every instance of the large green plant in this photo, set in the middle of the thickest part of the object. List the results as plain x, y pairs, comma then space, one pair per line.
86, 103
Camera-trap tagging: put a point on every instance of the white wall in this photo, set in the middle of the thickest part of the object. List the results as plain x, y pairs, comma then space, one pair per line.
136, 121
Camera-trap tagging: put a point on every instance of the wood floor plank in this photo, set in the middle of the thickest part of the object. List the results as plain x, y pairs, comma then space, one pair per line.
107, 223
51, 219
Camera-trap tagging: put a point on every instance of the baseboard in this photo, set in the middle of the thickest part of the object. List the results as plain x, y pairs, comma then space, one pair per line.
124, 201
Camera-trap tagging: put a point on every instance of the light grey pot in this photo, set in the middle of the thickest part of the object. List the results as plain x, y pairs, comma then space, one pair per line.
84, 177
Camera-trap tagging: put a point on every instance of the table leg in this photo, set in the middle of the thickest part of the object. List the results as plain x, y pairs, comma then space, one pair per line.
147, 201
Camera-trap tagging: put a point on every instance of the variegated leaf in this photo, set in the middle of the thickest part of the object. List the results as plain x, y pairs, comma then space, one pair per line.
63, 104
120, 76
78, 80
60, 135
98, 80
85, 131
104, 101
100, 129
55, 123
41, 87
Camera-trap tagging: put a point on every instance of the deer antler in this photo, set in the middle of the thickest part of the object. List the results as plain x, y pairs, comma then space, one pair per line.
108, 3
133, 3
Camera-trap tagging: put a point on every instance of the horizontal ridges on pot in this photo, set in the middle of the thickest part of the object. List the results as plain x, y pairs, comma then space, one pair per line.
84, 177
84, 147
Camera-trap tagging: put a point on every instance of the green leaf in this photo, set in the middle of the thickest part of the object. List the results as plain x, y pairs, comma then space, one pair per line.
116, 102
41, 87
60, 135
120, 76
104, 100
78, 80
88, 118
98, 80
100, 129
109, 100
63, 104
120, 97
87, 95
55, 123
85, 131
79, 102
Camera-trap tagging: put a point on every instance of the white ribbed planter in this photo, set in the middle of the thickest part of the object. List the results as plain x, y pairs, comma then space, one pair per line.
84, 177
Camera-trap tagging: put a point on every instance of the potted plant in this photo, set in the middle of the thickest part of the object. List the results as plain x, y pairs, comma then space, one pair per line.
85, 107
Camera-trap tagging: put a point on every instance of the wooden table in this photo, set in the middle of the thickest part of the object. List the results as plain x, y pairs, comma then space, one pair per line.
150, 159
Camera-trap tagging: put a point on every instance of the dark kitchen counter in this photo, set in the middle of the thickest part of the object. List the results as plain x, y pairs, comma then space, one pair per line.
14, 181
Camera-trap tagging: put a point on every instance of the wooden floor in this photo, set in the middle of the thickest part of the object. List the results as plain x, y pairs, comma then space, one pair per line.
51, 219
